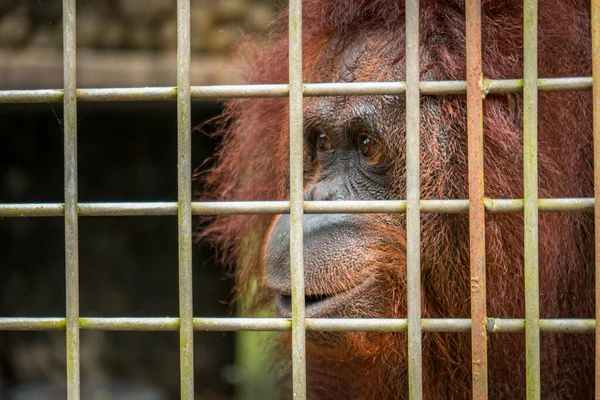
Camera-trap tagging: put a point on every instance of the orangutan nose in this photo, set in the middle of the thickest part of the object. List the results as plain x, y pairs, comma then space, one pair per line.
326, 192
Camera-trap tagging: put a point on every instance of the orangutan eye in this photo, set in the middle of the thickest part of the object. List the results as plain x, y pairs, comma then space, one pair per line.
370, 148
323, 142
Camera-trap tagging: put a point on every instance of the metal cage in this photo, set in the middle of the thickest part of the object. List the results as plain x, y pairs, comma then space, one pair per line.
475, 88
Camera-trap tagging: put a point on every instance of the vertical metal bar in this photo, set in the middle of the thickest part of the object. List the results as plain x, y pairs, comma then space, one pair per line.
71, 221
596, 105
296, 204
476, 206
530, 175
184, 196
413, 217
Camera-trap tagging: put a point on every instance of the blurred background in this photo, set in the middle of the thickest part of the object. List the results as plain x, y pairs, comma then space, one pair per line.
127, 152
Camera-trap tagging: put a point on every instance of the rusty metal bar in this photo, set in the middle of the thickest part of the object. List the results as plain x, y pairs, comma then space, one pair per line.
596, 111
70, 209
493, 206
184, 196
296, 201
490, 86
476, 200
493, 325
530, 178
413, 216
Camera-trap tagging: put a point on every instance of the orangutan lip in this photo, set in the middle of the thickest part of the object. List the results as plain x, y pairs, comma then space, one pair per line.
317, 304
313, 304
285, 301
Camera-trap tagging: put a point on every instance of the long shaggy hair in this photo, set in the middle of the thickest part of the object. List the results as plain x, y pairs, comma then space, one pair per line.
253, 165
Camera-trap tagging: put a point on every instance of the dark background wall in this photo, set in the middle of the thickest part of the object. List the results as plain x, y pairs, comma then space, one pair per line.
128, 265
127, 152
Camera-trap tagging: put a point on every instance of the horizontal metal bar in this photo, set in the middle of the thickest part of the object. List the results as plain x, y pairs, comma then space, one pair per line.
144, 209
496, 325
32, 210
245, 91
355, 206
282, 207
490, 86
32, 96
361, 88
493, 325
32, 324
547, 205
444, 206
496, 86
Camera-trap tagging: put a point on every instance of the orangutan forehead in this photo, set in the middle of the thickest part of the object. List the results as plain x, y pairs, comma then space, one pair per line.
369, 56
337, 114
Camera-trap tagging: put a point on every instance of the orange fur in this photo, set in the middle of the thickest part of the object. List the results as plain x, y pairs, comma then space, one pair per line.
253, 165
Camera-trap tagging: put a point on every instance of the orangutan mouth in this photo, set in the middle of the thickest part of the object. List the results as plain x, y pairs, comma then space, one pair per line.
321, 305
314, 305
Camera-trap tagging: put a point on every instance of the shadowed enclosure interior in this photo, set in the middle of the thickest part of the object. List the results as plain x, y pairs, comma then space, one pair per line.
476, 87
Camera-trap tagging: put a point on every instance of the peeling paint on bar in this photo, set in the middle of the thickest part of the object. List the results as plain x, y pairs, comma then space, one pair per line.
479, 370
